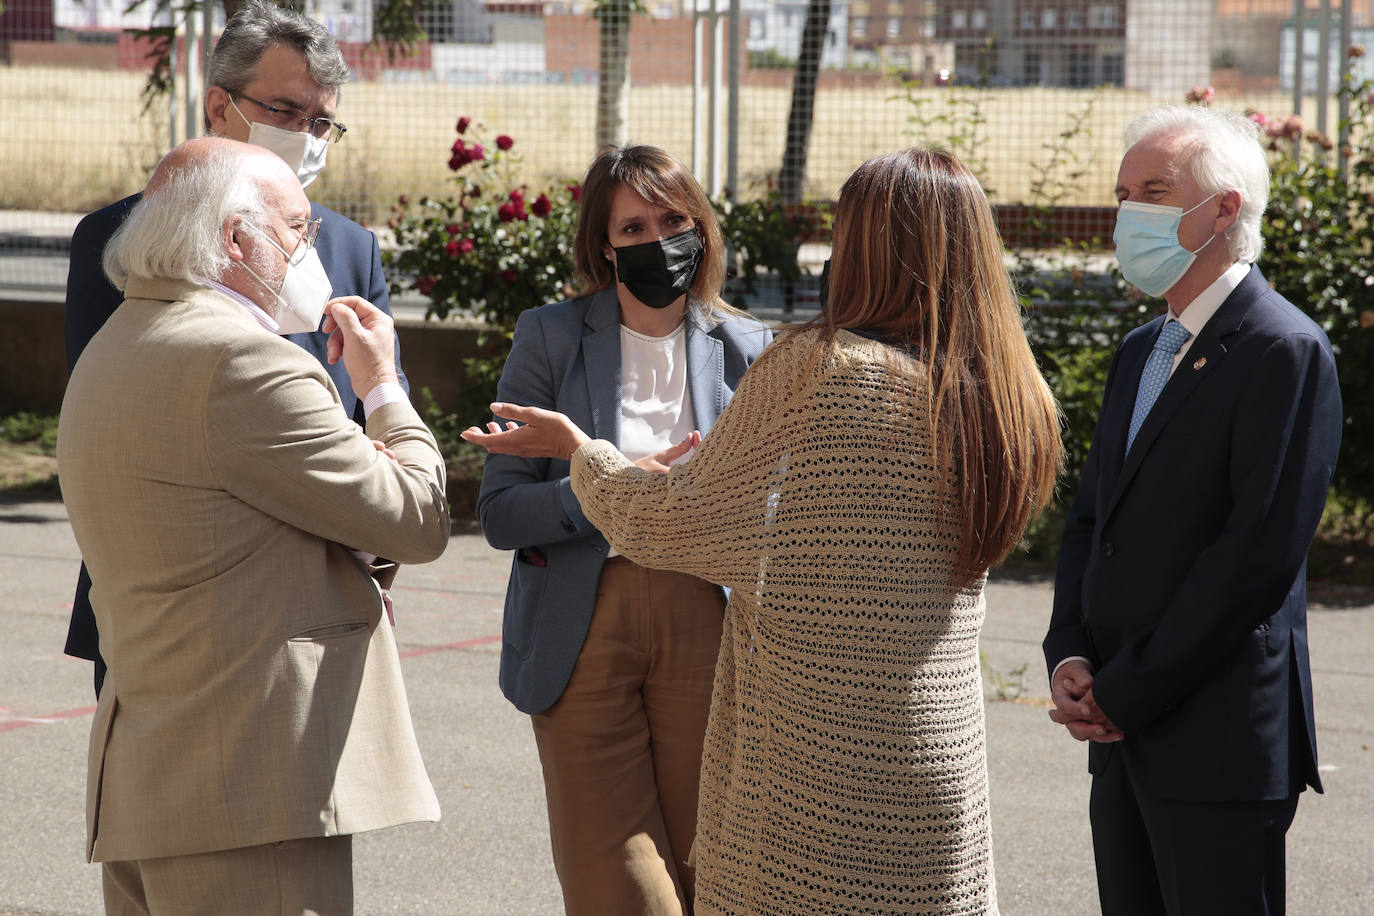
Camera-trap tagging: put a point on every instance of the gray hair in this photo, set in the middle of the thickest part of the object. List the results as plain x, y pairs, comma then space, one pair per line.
175, 231
258, 26
1221, 150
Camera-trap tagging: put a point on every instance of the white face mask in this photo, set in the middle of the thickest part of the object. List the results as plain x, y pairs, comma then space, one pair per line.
305, 290
300, 149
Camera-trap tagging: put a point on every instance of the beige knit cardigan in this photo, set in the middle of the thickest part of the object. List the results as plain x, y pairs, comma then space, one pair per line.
844, 769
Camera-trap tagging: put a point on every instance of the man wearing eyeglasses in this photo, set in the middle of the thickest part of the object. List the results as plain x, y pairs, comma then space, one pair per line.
275, 78
255, 716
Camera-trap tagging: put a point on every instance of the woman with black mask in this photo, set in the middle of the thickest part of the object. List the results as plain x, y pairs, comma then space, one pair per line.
613, 661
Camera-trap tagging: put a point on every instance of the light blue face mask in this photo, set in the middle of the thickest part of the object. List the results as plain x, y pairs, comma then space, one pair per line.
1147, 245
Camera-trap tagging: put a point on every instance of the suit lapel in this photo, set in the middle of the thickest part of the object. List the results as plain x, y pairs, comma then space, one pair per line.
601, 358
1203, 359
705, 370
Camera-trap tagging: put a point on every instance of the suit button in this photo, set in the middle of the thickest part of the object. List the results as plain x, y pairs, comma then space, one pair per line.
1108, 549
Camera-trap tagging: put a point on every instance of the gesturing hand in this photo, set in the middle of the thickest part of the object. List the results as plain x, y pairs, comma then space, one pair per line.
544, 433
658, 463
364, 336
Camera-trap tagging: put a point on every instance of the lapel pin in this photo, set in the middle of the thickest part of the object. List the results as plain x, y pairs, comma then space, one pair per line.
1199, 364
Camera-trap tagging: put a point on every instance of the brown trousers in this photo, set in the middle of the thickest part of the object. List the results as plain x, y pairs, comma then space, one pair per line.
621, 749
307, 877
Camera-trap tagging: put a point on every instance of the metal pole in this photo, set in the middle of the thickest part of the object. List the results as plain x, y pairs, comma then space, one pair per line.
732, 129
172, 92
1323, 65
698, 155
1343, 105
1299, 37
191, 62
712, 102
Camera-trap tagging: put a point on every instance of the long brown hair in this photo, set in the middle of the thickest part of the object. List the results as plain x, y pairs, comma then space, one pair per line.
662, 181
917, 259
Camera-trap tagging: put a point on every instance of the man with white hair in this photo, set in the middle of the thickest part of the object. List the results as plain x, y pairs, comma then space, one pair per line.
1178, 640
253, 716
275, 78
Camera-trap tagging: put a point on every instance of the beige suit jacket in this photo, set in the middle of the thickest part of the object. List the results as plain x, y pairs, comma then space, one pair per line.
213, 480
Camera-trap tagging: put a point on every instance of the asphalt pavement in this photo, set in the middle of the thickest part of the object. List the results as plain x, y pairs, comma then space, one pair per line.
489, 855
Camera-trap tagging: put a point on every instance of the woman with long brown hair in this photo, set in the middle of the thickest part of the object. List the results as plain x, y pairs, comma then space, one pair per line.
614, 661
871, 468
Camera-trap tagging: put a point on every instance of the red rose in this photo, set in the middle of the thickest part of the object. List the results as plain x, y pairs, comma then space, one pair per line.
475, 153
452, 248
403, 200
541, 206
463, 123
456, 162
506, 212
424, 285
454, 228
509, 275
464, 246
504, 142
517, 195
576, 191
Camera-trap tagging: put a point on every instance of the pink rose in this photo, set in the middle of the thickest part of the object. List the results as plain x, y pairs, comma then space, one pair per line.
452, 248
464, 246
475, 153
463, 123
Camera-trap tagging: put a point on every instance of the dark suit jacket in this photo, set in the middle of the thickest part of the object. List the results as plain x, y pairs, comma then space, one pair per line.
351, 259
1183, 565
566, 357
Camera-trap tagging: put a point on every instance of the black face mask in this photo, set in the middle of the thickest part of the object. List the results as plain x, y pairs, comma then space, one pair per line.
659, 273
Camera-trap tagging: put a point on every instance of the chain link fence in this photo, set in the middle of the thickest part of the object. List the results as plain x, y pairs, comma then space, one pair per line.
1032, 93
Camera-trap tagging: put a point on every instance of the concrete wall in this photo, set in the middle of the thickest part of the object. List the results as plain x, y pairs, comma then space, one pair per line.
33, 372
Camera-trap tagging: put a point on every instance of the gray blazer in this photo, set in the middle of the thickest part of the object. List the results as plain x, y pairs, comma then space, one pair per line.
566, 357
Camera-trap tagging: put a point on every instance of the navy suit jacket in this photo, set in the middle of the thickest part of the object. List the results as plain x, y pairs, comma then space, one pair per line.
1182, 573
566, 357
351, 260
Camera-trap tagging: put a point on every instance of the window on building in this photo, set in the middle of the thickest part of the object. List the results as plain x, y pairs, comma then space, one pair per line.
1047, 19
1113, 69
978, 19
958, 19
860, 27
1073, 19
894, 27
1080, 69
1028, 20
1030, 68
758, 27
1102, 17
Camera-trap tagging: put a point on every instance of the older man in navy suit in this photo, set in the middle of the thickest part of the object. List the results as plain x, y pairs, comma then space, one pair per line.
275, 77
1178, 642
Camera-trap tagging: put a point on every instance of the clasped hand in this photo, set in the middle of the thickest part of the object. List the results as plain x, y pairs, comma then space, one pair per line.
1076, 709
532, 432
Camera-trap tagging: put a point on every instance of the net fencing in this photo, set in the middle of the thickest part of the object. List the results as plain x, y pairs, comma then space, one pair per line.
1033, 94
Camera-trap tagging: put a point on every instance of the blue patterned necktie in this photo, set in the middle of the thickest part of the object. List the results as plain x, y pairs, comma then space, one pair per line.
1156, 374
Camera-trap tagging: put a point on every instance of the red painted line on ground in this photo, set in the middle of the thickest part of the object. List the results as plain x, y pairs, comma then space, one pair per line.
51, 717
46, 719
449, 647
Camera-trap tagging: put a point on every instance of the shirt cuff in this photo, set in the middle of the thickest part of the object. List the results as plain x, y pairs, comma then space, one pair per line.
1071, 658
382, 393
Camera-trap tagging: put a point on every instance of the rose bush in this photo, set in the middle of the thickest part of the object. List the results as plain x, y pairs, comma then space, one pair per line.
489, 249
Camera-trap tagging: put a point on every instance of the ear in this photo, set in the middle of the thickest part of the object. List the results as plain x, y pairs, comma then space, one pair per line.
217, 110
1228, 212
230, 231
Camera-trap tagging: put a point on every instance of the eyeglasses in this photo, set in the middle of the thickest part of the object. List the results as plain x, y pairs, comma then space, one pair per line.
287, 117
308, 228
